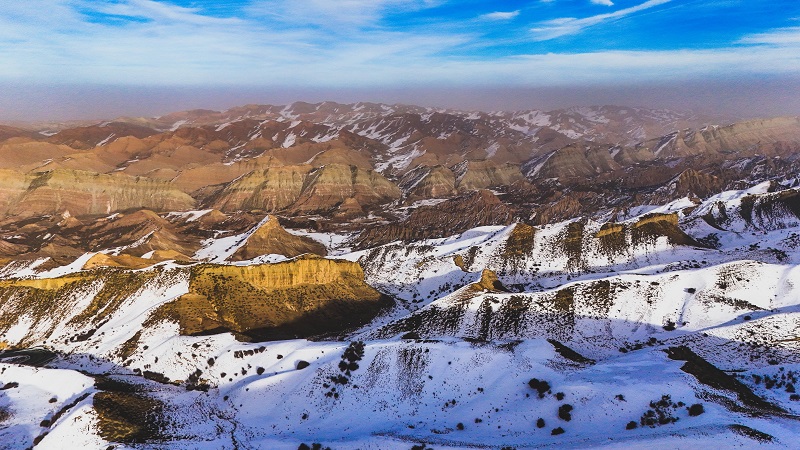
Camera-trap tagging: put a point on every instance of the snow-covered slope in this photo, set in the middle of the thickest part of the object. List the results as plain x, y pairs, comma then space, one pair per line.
578, 334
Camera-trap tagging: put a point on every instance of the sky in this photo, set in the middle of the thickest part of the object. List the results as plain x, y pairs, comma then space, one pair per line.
92, 58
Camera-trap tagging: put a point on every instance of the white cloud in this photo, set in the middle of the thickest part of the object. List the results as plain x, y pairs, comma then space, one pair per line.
564, 26
501, 15
181, 46
153, 10
334, 14
603, 2
779, 36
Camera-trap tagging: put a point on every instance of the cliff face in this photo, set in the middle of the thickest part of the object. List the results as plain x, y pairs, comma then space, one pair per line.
87, 193
329, 186
270, 190
428, 182
768, 137
578, 160
472, 175
299, 298
304, 189
13, 185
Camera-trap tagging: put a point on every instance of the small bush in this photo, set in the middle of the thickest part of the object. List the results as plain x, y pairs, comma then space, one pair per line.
312, 447
541, 386
559, 396
259, 370
557, 431
631, 425
696, 409
564, 412
540, 423
460, 426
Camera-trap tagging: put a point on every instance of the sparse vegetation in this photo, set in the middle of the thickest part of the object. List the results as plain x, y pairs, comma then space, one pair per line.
752, 433
349, 364
312, 447
660, 413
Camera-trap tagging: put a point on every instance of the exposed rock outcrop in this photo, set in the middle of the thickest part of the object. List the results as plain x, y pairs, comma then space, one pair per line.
87, 193
443, 219
300, 298
305, 189
271, 238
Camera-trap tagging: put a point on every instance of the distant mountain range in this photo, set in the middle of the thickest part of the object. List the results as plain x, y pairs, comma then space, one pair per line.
372, 276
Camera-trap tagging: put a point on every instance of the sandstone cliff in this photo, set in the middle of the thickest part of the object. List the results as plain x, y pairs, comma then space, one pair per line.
86, 193
299, 298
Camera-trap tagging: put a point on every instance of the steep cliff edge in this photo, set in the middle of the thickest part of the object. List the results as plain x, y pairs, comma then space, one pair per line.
300, 298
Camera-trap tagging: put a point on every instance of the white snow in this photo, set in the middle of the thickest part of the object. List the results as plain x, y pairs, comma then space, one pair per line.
106, 140
219, 250
188, 216
178, 124
477, 352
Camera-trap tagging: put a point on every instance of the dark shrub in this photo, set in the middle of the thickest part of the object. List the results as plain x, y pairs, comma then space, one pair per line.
631, 425
557, 431
300, 365
460, 426
564, 412
559, 396
540, 386
696, 409
259, 370
540, 423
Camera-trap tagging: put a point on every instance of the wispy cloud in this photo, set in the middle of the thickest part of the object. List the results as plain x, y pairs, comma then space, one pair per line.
500, 15
158, 43
780, 36
153, 10
564, 26
333, 14
603, 2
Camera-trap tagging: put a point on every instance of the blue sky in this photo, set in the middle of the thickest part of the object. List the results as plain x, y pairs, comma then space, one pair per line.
349, 43
106, 57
